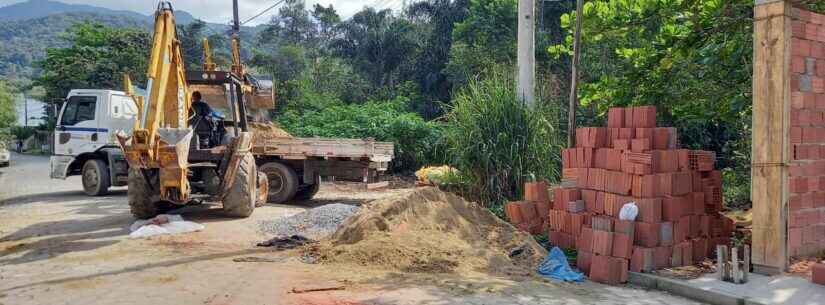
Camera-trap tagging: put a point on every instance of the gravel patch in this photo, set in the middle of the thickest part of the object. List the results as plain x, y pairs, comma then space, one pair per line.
314, 223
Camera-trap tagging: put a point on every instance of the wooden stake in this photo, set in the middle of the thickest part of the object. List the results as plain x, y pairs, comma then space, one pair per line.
747, 259
720, 262
734, 261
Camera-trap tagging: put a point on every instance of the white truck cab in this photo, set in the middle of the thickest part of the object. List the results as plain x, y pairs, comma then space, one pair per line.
85, 142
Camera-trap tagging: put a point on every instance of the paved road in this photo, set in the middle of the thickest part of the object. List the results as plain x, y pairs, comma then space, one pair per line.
58, 246
27, 179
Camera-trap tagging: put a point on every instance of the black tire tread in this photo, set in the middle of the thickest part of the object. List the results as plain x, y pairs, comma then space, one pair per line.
240, 201
141, 202
103, 176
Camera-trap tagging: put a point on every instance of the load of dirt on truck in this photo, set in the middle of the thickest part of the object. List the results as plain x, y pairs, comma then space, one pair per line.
429, 231
268, 130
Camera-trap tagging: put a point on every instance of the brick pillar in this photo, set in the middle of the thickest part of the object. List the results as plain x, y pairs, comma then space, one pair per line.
788, 176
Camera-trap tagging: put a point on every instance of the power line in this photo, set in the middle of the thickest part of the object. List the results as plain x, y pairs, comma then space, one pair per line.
263, 12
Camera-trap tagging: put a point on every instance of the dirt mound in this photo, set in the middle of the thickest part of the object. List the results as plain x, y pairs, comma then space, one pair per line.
427, 230
268, 130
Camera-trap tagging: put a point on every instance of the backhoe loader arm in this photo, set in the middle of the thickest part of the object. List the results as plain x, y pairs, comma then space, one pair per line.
161, 136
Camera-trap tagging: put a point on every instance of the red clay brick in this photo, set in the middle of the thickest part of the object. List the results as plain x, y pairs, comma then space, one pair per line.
662, 257
615, 117
543, 209
700, 249
622, 245
674, 208
513, 212
698, 203
650, 210
666, 234
695, 229
583, 261
798, 64
602, 242
536, 191
644, 116
584, 242
589, 197
624, 226
602, 223
800, 47
623, 144
818, 273
796, 135
647, 234
661, 138
640, 145
681, 229
600, 268
627, 133
642, 260
576, 206
528, 211
704, 226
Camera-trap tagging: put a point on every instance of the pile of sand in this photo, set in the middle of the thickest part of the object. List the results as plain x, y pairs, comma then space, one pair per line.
267, 130
427, 230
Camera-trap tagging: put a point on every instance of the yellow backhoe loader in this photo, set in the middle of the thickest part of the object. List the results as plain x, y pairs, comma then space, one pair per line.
179, 150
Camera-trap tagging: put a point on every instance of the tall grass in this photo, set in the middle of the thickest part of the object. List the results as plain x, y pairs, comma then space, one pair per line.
497, 143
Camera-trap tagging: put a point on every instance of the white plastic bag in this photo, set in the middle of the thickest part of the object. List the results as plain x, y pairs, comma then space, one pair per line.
163, 224
629, 211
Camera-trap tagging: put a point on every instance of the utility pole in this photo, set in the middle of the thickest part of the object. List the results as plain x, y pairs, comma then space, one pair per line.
574, 79
25, 110
527, 52
236, 24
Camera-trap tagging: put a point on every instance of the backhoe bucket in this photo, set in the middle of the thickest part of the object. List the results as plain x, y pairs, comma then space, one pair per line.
173, 156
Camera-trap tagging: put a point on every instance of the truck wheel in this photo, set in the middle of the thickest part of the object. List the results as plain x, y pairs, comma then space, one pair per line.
309, 191
141, 196
283, 182
95, 177
240, 201
263, 189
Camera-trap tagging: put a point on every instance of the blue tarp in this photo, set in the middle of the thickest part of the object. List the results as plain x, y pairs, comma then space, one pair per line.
555, 266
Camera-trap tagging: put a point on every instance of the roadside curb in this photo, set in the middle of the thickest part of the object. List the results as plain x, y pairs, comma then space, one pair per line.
683, 289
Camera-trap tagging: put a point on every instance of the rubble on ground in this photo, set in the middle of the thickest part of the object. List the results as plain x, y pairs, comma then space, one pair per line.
314, 223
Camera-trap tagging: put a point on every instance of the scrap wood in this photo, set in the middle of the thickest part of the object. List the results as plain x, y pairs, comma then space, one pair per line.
296, 290
283, 243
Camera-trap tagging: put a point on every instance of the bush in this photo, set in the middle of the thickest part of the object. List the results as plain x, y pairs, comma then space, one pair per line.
416, 141
497, 143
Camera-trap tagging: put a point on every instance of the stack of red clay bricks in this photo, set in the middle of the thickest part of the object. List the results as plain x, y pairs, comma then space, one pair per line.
677, 191
532, 214
806, 217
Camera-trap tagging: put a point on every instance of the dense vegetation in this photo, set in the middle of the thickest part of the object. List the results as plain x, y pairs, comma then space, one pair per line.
436, 78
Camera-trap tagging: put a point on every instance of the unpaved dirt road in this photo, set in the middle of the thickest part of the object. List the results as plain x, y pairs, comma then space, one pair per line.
58, 246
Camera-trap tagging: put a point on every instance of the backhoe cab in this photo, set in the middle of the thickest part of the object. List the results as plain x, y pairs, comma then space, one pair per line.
176, 154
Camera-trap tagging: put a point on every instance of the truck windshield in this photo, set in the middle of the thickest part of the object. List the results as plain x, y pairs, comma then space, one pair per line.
78, 109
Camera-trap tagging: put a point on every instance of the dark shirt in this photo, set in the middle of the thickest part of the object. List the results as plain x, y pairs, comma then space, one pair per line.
201, 108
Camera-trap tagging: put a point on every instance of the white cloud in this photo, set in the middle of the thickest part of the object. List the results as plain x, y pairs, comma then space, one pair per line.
220, 11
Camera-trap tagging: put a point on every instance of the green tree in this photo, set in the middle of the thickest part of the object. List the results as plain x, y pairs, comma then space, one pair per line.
486, 37
97, 57
8, 112
693, 59
436, 18
376, 44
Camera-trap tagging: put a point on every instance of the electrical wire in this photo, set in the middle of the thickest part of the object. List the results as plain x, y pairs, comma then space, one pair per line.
263, 12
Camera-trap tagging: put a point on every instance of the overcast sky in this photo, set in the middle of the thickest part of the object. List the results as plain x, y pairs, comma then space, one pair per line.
220, 11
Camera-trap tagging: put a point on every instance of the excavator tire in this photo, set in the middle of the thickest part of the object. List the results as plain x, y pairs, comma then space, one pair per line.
240, 201
283, 182
309, 191
142, 200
